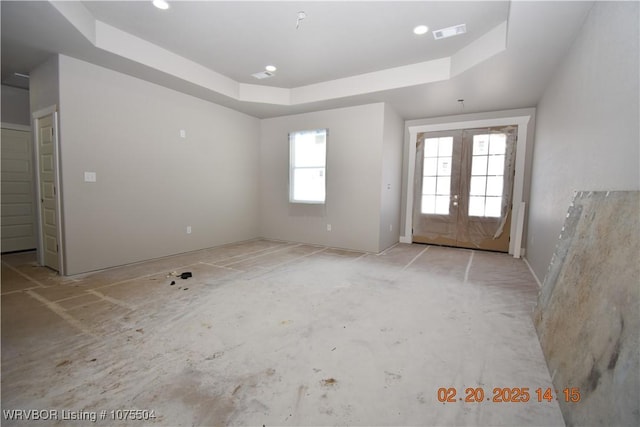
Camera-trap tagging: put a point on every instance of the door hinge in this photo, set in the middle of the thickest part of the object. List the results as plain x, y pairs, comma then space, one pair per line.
57, 248
54, 191
51, 130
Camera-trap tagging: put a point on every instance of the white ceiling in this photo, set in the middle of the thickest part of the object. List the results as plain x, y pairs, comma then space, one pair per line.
336, 39
343, 53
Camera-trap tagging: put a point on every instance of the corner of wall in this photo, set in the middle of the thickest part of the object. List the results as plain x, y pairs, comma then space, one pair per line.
391, 178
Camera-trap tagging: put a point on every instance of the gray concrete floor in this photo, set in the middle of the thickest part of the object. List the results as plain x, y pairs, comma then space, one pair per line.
275, 333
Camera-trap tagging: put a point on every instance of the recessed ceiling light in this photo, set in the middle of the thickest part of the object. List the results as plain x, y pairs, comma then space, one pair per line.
420, 30
270, 68
161, 4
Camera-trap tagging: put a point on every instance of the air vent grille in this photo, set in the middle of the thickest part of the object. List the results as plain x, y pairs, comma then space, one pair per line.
450, 31
262, 75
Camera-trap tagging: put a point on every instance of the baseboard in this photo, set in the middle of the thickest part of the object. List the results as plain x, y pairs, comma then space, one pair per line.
533, 273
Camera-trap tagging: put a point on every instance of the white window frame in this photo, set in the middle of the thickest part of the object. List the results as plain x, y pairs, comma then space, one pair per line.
293, 167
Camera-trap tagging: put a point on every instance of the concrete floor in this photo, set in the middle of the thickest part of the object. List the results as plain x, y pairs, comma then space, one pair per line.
274, 333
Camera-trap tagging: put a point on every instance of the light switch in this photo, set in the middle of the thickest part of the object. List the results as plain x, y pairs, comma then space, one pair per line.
89, 177
183, 133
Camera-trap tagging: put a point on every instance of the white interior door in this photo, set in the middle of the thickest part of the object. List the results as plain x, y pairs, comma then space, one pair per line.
48, 191
18, 200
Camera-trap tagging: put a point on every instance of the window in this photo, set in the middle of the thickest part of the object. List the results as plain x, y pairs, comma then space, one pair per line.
487, 175
307, 170
436, 179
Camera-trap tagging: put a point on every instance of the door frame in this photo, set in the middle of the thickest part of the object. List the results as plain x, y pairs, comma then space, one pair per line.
518, 204
36, 116
12, 126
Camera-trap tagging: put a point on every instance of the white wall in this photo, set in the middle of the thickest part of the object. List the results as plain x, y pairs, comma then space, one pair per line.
151, 183
44, 85
587, 135
391, 185
354, 179
15, 106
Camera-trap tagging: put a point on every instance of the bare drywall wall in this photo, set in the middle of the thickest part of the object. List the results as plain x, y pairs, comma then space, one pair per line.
354, 167
391, 185
588, 312
15, 106
151, 182
587, 124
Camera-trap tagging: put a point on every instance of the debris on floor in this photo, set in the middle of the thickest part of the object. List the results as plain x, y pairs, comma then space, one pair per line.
186, 275
173, 282
329, 381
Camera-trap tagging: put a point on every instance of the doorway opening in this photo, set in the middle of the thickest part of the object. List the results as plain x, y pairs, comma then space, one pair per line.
463, 186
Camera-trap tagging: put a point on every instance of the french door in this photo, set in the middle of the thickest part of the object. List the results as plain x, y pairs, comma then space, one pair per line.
463, 187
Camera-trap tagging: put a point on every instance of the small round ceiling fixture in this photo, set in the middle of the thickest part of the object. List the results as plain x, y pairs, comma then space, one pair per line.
161, 4
420, 30
270, 68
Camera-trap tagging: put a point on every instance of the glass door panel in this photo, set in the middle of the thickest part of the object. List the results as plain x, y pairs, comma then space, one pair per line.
463, 187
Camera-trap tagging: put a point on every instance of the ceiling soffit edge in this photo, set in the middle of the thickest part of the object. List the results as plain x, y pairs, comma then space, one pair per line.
110, 39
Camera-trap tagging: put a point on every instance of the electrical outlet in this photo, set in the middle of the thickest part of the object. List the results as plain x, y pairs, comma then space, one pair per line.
328, 227
188, 229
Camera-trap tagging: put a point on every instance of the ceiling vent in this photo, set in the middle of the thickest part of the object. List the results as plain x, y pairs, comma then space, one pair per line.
263, 75
450, 31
